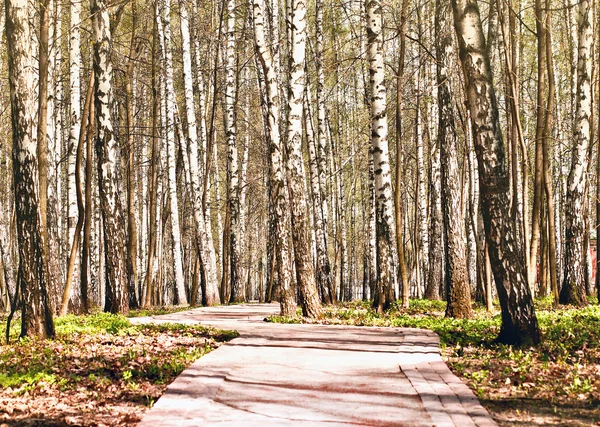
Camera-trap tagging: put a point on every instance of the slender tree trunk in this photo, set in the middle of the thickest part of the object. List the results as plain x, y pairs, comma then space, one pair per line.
36, 312
85, 253
541, 112
210, 290
108, 165
165, 29
372, 235
436, 243
42, 127
309, 296
573, 289
74, 120
67, 293
132, 271
233, 238
243, 185
519, 322
379, 134
279, 196
458, 290
323, 265
422, 248
399, 173
597, 284
153, 175
54, 139
547, 176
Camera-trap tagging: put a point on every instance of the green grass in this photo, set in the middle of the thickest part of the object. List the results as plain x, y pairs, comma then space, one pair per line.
157, 311
96, 323
423, 314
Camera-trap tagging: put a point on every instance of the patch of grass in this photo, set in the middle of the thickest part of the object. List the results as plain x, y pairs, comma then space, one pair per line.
188, 330
29, 378
97, 323
157, 311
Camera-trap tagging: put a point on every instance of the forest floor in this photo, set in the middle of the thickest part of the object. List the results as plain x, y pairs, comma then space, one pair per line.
101, 370
104, 370
313, 375
556, 383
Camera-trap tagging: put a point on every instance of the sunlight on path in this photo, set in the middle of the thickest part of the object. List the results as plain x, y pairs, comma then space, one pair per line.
292, 375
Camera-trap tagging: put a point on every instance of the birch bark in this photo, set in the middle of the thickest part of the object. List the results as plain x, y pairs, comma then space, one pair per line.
108, 165
74, 120
36, 314
165, 28
323, 266
233, 238
210, 292
458, 295
573, 289
519, 322
379, 135
311, 306
279, 196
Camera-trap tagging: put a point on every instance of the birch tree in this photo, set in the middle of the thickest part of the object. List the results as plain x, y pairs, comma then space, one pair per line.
322, 259
210, 293
311, 306
279, 196
519, 322
399, 158
380, 152
233, 238
74, 118
323, 264
573, 289
458, 295
164, 27
108, 164
36, 312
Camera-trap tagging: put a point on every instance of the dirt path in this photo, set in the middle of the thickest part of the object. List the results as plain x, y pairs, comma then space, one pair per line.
308, 375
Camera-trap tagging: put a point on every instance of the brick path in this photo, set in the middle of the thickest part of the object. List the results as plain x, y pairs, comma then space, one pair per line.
309, 375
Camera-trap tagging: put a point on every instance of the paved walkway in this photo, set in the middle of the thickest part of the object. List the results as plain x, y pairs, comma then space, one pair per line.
309, 375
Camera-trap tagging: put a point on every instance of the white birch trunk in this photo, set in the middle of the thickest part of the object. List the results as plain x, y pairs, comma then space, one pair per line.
36, 317
372, 235
108, 165
322, 148
279, 195
421, 199
211, 291
53, 140
243, 182
165, 31
74, 122
320, 241
379, 141
233, 239
216, 188
573, 289
311, 306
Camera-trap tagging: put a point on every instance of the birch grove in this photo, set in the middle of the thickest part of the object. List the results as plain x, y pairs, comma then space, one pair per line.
240, 151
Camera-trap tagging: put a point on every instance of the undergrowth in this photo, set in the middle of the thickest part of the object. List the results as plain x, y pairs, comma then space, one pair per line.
101, 362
